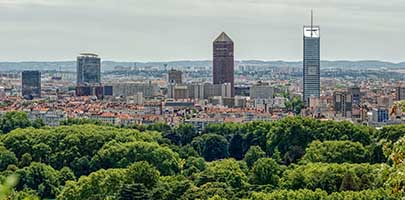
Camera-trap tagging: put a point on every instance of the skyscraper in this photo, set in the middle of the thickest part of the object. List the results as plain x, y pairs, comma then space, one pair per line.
88, 69
223, 61
311, 72
31, 84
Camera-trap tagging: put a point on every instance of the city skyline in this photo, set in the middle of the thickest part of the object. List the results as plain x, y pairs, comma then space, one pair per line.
58, 30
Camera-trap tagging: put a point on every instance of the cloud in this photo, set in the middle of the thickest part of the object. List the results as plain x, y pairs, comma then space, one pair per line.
183, 29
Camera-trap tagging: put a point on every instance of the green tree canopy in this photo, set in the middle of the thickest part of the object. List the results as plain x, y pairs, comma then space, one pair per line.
254, 154
335, 152
266, 171
13, 120
6, 158
211, 146
228, 171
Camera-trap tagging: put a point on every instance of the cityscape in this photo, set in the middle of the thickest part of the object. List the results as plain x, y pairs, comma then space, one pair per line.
223, 128
196, 93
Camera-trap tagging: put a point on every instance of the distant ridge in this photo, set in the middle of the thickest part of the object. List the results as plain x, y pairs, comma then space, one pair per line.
109, 65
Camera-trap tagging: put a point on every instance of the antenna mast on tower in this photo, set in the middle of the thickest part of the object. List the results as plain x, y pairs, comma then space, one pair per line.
312, 22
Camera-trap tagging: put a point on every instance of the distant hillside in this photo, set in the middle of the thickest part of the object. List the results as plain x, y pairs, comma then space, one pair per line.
109, 65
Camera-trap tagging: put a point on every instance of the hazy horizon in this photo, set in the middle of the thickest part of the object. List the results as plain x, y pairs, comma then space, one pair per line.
203, 60
173, 30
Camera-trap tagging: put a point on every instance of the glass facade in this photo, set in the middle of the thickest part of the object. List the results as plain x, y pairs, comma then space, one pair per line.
31, 84
311, 72
88, 69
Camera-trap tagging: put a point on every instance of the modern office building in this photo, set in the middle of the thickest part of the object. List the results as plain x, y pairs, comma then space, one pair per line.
31, 84
223, 61
88, 69
343, 104
311, 62
175, 77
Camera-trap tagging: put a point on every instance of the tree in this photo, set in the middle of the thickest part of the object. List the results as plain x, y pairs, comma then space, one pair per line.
120, 155
72, 146
291, 135
304, 194
98, 185
182, 134
253, 154
171, 187
135, 191
266, 171
211, 146
335, 152
194, 165
38, 123
41, 152
209, 190
186, 133
236, 149
66, 174
40, 177
349, 182
13, 120
295, 104
396, 179
6, 158
228, 171
329, 177
160, 127
25, 160
144, 173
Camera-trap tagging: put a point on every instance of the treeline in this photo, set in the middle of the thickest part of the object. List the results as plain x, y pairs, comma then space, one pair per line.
293, 158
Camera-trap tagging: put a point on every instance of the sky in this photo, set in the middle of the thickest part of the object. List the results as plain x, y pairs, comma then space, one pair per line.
167, 30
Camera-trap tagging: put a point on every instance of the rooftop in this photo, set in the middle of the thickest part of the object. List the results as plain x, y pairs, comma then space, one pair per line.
223, 37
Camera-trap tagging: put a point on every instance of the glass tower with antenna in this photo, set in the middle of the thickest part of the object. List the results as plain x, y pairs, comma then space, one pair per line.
311, 62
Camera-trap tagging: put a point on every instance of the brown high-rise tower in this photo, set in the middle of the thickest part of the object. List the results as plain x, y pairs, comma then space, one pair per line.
223, 62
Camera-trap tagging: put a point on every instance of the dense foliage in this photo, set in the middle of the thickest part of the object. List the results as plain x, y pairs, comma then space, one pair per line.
293, 158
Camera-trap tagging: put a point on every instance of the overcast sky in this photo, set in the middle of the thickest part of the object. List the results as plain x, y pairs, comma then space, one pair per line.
163, 30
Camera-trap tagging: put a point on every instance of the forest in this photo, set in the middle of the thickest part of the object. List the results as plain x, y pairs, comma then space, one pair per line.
293, 158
